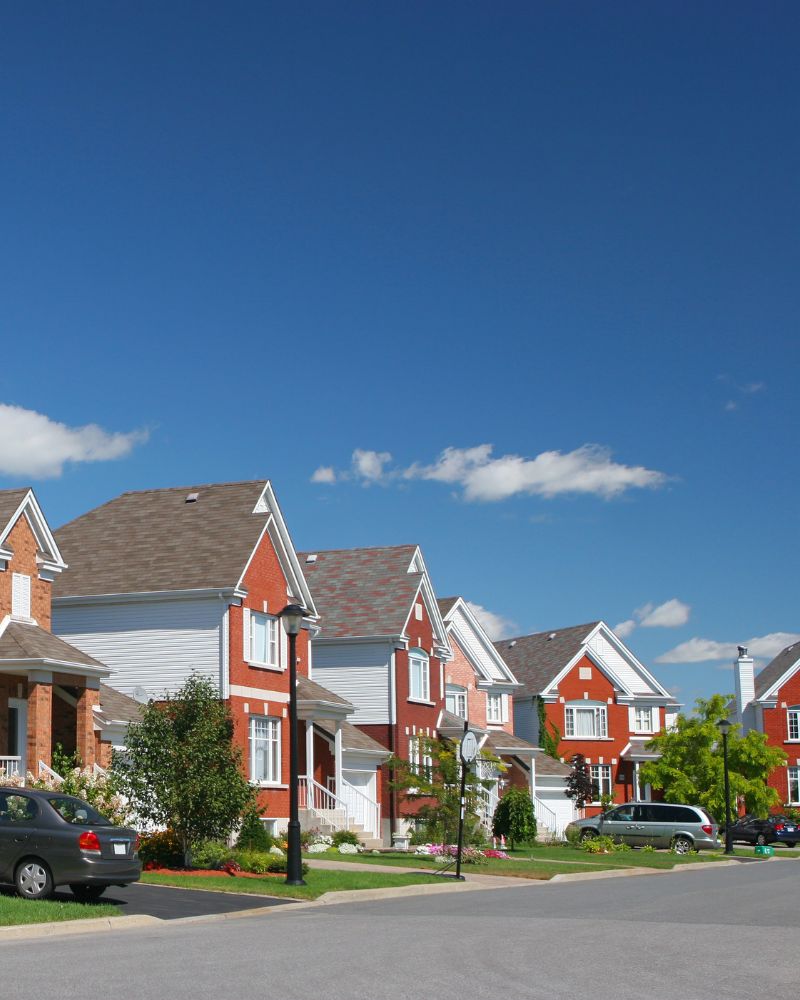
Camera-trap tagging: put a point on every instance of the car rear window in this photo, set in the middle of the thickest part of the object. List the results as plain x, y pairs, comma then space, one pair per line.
77, 811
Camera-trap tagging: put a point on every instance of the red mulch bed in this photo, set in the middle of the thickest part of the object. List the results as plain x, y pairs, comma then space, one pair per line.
212, 871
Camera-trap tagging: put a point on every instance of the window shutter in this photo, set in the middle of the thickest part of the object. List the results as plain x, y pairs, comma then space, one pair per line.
20, 595
504, 708
283, 640
632, 719
246, 635
655, 725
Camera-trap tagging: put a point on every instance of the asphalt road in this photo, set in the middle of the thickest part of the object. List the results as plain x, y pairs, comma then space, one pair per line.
727, 933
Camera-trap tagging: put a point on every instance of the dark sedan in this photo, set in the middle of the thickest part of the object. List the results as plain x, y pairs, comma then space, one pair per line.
771, 830
48, 839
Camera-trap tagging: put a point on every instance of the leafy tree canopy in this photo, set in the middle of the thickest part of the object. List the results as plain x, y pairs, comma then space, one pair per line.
691, 769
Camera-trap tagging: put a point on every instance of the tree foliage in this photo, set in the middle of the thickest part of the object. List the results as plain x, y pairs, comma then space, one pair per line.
436, 786
514, 817
549, 739
181, 769
579, 781
691, 770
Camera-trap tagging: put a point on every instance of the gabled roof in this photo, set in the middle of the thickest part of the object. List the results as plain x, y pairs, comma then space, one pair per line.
356, 739
27, 645
22, 502
775, 669
155, 541
370, 591
483, 655
537, 659
117, 707
308, 690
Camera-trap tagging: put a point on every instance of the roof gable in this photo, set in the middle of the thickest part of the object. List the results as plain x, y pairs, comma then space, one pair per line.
483, 655
778, 671
15, 504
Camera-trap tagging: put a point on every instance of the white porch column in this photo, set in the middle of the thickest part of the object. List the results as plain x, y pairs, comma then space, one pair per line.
337, 758
533, 778
309, 749
636, 781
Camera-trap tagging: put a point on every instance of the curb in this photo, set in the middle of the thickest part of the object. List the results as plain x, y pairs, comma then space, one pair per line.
17, 932
634, 872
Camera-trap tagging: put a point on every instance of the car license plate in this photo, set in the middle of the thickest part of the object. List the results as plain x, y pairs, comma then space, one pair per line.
789, 829
120, 848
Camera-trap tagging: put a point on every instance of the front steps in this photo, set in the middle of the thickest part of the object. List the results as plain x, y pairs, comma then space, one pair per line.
310, 820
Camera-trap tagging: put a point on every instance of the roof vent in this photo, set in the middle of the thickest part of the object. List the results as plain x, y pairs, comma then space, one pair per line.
551, 636
311, 558
512, 644
192, 498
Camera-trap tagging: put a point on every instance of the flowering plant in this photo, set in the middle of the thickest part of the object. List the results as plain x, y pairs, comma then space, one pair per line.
348, 849
317, 848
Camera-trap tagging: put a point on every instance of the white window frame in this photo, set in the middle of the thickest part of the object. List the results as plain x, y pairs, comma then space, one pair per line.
642, 719
271, 739
793, 785
272, 640
20, 595
419, 663
494, 708
600, 775
599, 714
793, 724
454, 694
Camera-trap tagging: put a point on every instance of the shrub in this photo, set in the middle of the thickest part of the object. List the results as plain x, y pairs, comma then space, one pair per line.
211, 854
276, 851
278, 866
514, 817
348, 848
598, 845
317, 848
573, 835
345, 837
256, 862
252, 835
161, 849
648, 849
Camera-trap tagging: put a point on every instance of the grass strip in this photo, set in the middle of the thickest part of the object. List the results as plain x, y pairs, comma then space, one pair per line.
28, 911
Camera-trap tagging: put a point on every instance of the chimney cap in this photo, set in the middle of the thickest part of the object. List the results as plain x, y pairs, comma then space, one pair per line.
742, 650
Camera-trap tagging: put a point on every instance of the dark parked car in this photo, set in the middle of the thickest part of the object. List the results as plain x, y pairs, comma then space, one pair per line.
48, 839
772, 830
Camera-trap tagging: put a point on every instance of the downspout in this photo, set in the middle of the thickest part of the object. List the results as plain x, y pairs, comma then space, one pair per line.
392, 724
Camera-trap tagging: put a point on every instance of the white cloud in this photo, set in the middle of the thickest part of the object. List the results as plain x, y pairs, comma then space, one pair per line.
31, 444
670, 614
588, 470
730, 406
496, 626
624, 629
324, 474
706, 650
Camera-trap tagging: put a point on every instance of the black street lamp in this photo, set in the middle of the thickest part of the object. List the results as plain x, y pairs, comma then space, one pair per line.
724, 726
292, 618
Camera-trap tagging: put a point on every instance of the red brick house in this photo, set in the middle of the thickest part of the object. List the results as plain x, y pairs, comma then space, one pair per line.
167, 583
769, 702
383, 647
49, 689
597, 695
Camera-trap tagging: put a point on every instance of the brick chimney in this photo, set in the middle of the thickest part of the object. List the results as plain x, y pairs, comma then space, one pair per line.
745, 689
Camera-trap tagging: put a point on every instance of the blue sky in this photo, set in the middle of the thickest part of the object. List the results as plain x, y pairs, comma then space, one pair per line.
541, 255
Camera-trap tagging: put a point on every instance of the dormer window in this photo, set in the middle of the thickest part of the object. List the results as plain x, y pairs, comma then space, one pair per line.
20, 595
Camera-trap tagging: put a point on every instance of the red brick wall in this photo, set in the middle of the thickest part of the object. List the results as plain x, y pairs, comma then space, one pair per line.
22, 541
459, 671
776, 729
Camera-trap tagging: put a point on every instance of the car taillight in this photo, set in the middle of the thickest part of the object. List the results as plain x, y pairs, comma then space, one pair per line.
707, 828
779, 826
89, 841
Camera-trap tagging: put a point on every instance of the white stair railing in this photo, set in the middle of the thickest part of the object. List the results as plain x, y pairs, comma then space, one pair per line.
11, 766
48, 772
363, 810
547, 819
323, 805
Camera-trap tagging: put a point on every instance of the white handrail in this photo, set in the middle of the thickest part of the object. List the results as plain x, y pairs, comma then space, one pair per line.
547, 819
366, 811
10, 766
324, 805
47, 770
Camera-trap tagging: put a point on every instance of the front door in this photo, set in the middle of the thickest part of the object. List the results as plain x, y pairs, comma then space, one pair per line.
18, 731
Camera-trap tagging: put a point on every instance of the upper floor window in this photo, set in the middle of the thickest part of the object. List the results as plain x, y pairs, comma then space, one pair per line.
265, 750
264, 639
455, 700
586, 721
20, 595
793, 722
494, 708
643, 720
419, 679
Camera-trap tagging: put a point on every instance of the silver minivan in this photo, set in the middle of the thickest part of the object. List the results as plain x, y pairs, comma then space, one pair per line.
662, 824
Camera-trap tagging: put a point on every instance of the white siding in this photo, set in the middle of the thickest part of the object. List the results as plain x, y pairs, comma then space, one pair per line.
475, 647
617, 663
526, 720
155, 645
358, 672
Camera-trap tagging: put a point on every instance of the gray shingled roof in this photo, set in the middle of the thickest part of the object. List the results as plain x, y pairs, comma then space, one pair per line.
551, 767
311, 691
502, 742
9, 501
354, 738
21, 641
445, 604
362, 591
118, 707
777, 668
536, 659
152, 540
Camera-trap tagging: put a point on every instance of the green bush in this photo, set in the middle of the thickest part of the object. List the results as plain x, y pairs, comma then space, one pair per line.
211, 854
252, 835
603, 845
573, 835
648, 849
257, 862
345, 837
514, 817
162, 849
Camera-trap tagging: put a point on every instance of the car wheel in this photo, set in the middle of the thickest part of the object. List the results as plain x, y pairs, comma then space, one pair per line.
789, 843
87, 893
761, 840
682, 845
33, 879
588, 834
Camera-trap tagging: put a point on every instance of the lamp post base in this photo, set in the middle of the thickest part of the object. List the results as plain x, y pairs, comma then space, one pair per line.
294, 859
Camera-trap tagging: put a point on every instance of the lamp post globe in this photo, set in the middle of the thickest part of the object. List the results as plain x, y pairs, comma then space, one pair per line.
292, 620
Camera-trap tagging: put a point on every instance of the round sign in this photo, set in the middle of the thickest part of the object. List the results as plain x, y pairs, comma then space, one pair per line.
469, 747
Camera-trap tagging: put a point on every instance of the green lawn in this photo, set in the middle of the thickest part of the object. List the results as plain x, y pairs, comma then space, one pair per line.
318, 882
14, 910
539, 861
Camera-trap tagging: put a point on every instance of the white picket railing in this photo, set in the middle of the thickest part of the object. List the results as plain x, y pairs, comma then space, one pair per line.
323, 805
11, 766
362, 810
547, 819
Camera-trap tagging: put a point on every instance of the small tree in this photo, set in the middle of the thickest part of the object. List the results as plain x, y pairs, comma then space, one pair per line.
514, 817
579, 782
548, 739
181, 769
690, 768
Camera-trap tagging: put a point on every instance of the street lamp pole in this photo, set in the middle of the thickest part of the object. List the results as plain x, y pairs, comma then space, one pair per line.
724, 727
292, 619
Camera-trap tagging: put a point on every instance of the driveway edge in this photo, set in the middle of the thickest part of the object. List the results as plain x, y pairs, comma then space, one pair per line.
57, 928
